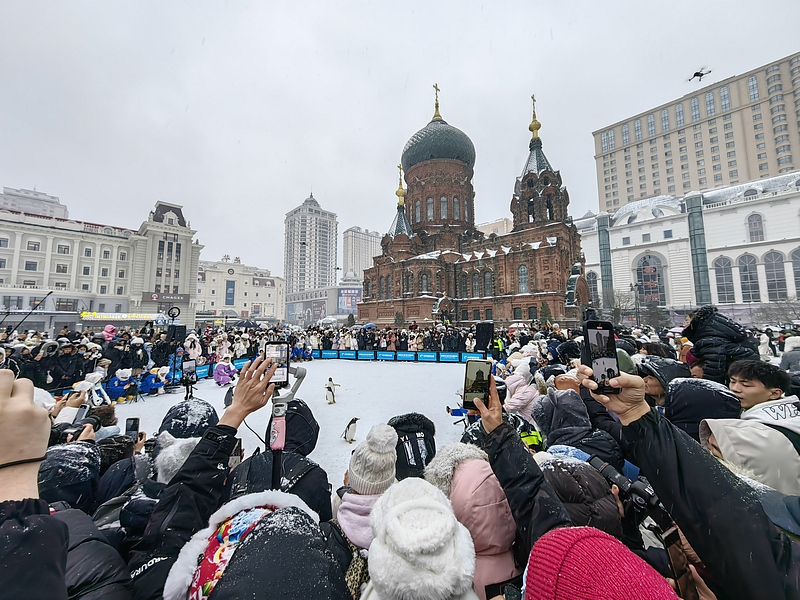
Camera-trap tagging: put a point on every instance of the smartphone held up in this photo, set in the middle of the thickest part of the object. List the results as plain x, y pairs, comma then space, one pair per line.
279, 353
599, 351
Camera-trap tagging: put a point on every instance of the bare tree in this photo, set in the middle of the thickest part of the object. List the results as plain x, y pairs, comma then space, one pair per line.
781, 312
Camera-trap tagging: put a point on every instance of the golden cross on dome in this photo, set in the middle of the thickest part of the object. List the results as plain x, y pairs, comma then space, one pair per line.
400, 193
436, 114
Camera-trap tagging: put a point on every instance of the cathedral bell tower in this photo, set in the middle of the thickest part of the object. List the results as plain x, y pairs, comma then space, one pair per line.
539, 196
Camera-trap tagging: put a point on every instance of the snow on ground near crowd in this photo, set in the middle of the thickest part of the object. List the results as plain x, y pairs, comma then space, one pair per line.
372, 391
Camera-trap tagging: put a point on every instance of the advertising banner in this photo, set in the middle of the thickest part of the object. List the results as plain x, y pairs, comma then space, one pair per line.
465, 356
351, 354
230, 292
330, 354
426, 356
406, 355
366, 355
348, 299
448, 357
318, 310
385, 355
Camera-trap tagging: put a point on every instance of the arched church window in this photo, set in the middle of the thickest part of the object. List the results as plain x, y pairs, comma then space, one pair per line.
430, 209
423, 283
776, 276
487, 284
796, 267
443, 207
723, 273
550, 215
650, 276
466, 210
382, 289
439, 284
476, 285
417, 217
389, 287
522, 279
456, 209
464, 291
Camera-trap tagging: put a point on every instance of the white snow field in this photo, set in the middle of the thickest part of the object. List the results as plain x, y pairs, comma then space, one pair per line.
372, 391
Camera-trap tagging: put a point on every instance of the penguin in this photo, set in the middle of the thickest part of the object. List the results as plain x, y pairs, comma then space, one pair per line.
349, 434
330, 391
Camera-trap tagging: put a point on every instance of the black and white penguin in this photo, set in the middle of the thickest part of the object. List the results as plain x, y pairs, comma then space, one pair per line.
349, 434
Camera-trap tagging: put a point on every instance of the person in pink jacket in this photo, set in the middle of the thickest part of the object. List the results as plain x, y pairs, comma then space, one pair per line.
520, 397
462, 472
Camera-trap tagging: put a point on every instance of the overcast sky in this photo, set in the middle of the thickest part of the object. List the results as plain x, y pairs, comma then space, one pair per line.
238, 109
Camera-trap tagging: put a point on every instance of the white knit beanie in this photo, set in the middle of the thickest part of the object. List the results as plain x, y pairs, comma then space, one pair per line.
372, 465
419, 549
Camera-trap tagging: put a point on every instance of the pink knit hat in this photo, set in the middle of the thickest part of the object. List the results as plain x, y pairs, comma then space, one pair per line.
583, 563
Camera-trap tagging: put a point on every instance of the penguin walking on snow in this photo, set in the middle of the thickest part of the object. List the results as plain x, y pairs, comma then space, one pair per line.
349, 434
330, 391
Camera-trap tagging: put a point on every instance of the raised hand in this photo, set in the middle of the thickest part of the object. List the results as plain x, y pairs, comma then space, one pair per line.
491, 416
629, 404
253, 391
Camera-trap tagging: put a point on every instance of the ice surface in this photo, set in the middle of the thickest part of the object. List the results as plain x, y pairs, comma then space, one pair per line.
372, 391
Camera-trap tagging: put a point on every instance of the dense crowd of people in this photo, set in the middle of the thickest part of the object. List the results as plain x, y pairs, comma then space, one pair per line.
684, 483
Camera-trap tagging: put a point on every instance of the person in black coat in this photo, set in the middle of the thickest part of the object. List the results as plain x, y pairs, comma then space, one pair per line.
300, 475
562, 418
744, 554
689, 401
95, 570
66, 368
718, 341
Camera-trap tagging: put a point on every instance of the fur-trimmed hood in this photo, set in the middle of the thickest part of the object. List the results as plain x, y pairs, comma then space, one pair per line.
791, 343
181, 574
441, 469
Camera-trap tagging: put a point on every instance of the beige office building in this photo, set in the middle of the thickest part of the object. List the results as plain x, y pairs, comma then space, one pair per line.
359, 247
743, 128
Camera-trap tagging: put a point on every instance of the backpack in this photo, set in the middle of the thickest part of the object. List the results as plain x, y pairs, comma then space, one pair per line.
357, 574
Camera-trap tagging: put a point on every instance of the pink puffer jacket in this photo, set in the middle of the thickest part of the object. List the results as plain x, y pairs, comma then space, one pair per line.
520, 397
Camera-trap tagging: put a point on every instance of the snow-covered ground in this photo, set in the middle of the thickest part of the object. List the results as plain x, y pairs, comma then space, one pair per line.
372, 391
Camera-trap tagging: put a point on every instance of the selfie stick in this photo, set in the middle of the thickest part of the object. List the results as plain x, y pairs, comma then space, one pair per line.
38, 304
277, 432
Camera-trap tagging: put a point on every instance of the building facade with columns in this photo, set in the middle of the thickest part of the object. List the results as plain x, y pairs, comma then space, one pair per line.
98, 273
736, 247
436, 264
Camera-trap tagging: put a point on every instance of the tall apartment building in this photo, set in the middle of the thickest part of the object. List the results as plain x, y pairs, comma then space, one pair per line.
33, 202
228, 288
310, 246
742, 128
98, 274
359, 247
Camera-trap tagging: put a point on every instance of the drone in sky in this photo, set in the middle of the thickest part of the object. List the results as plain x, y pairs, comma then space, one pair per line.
700, 74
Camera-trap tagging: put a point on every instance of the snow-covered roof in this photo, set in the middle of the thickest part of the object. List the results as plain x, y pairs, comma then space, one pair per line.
654, 207
761, 186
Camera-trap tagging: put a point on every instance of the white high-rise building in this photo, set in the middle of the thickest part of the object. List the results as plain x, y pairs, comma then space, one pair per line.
33, 202
310, 246
359, 247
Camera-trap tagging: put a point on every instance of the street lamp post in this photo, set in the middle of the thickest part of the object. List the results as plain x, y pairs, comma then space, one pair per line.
635, 288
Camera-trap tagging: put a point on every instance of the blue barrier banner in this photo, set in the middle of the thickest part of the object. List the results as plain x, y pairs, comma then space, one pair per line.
465, 356
448, 357
203, 371
239, 363
315, 354
366, 355
426, 356
347, 354
385, 355
406, 355
330, 354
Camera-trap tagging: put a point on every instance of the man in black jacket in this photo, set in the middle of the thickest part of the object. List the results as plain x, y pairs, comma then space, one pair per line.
745, 555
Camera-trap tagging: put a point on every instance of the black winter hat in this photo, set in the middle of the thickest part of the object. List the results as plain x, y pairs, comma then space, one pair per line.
568, 350
416, 444
663, 369
189, 418
688, 401
70, 473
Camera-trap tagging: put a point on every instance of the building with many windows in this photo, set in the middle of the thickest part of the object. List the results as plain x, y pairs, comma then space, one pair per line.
98, 273
310, 247
228, 288
32, 202
740, 129
359, 247
736, 247
436, 264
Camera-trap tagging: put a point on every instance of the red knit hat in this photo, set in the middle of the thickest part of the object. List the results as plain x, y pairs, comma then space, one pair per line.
583, 563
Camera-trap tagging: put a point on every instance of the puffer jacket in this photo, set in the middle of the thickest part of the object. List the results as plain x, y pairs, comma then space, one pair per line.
689, 401
718, 341
790, 361
95, 570
520, 397
462, 472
